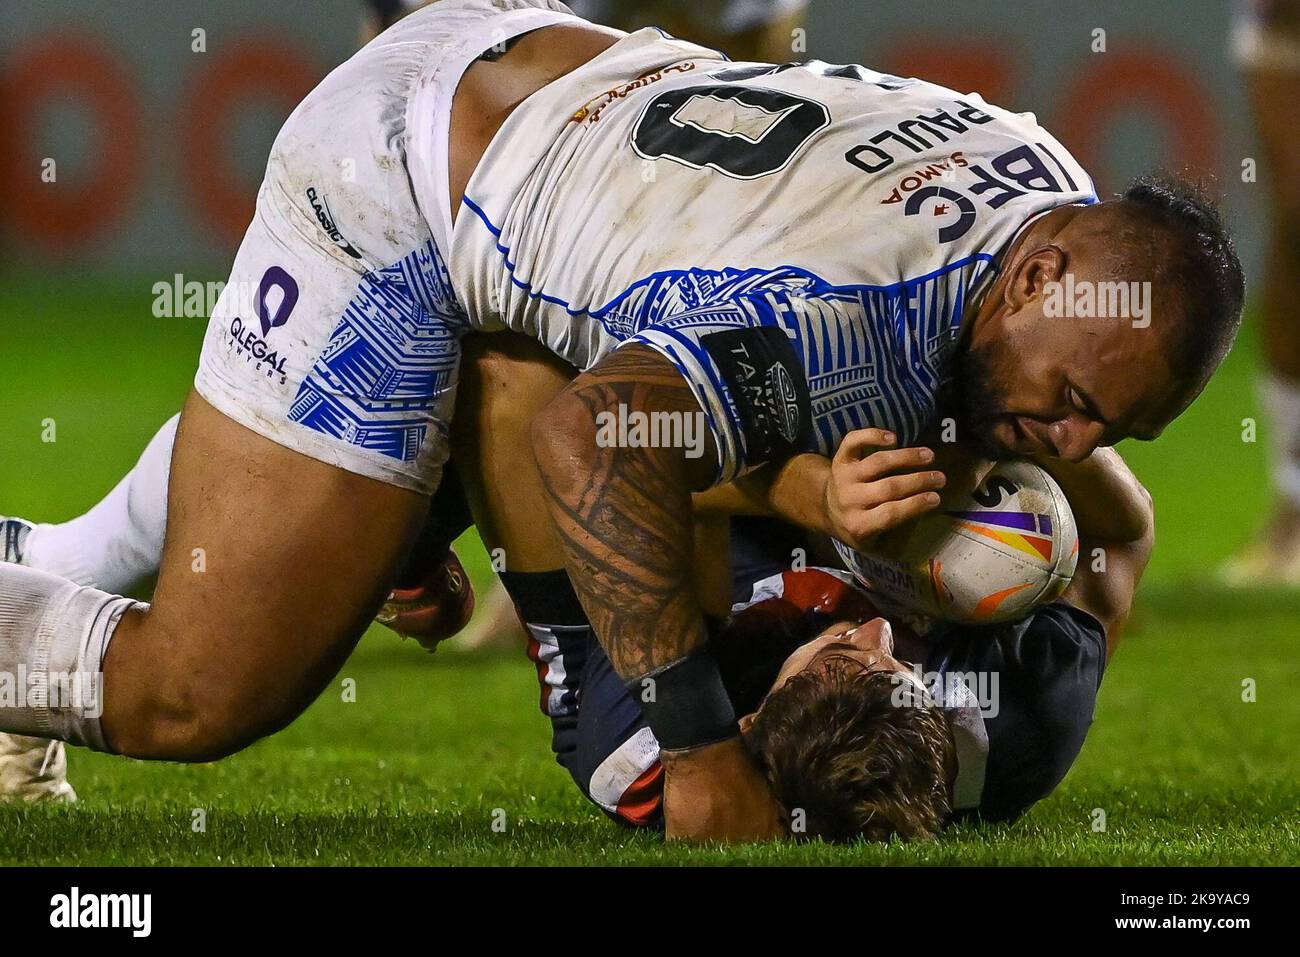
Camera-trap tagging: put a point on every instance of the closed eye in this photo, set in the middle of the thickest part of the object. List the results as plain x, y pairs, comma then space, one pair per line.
1081, 402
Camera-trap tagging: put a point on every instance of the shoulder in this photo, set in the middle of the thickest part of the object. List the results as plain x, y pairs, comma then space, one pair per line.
1038, 682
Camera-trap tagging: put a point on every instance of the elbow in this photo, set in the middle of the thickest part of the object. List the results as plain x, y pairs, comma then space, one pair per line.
1144, 539
563, 437
1138, 508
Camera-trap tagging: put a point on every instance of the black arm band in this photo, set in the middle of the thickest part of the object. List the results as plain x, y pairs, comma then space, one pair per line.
685, 703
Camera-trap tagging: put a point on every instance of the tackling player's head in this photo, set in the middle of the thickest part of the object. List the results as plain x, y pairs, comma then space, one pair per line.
1104, 323
851, 743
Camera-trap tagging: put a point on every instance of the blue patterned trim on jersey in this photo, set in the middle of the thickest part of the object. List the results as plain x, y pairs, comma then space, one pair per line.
874, 355
394, 352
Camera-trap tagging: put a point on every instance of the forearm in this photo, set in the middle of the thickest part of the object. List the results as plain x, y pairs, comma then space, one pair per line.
794, 490
627, 542
1110, 505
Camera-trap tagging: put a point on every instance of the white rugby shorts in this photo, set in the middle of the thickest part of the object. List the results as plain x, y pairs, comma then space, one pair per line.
338, 334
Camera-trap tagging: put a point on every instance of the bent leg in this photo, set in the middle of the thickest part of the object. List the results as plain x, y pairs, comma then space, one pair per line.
1275, 555
304, 460
274, 565
1273, 95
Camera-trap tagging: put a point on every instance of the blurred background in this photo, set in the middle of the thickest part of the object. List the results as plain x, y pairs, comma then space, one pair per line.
134, 137
159, 114
135, 134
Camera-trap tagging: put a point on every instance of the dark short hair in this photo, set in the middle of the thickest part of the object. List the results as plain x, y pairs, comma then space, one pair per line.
1197, 255
850, 761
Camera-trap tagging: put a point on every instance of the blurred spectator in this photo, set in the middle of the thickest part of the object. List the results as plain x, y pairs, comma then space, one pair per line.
1266, 43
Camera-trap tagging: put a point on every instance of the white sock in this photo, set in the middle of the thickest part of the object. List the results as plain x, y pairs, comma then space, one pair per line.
53, 636
118, 543
1281, 400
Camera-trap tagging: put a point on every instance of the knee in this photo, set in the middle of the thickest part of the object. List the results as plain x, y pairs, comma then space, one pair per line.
623, 778
180, 724
174, 712
162, 704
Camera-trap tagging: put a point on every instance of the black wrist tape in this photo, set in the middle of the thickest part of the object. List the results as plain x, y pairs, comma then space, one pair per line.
685, 703
544, 598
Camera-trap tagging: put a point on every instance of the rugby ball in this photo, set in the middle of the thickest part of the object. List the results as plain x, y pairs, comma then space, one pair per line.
991, 555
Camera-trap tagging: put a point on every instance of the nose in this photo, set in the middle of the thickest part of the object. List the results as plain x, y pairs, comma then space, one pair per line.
874, 635
1075, 438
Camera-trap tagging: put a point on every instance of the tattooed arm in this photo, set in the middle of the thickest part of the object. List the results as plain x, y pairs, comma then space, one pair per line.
624, 519
624, 514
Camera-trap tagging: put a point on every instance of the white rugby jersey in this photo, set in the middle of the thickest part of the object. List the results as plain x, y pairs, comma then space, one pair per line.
801, 241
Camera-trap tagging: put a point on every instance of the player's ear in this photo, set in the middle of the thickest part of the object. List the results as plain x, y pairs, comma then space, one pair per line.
746, 722
1033, 272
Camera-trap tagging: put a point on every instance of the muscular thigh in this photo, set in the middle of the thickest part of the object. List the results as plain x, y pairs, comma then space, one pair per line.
337, 334
273, 565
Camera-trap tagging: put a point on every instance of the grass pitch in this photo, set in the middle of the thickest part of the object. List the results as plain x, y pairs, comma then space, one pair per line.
1178, 768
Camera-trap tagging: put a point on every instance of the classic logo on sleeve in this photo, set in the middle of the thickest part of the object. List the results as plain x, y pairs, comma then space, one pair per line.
766, 381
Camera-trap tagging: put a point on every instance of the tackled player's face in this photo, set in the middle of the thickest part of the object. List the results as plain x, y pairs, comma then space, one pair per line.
1033, 384
870, 644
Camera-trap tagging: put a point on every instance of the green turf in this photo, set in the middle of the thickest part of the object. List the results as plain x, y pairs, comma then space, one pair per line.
415, 770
